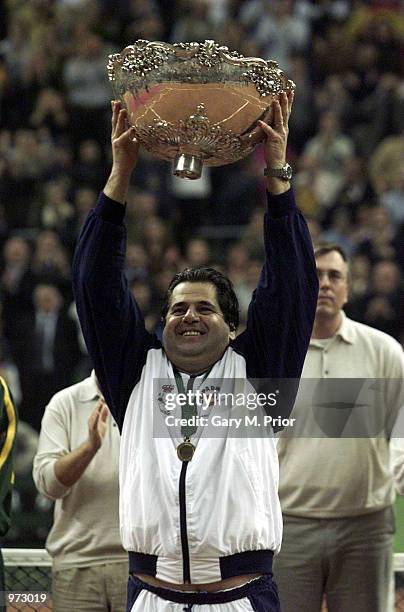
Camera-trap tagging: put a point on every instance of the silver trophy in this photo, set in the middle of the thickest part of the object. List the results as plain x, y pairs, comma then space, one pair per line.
195, 103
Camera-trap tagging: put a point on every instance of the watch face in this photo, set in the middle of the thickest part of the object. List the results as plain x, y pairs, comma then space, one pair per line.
288, 171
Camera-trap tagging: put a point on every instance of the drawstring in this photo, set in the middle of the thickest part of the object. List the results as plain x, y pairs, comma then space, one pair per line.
188, 608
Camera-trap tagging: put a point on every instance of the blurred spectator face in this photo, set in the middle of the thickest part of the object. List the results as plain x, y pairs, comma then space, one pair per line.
365, 56
150, 27
172, 256
197, 252
254, 272
250, 48
55, 192
163, 279
231, 35
341, 221
62, 157
48, 241
139, 8
328, 123
47, 298
282, 8
85, 200
5, 141
199, 9
91, 46
353, 169
25, 140
154, 230
136, 256
378, 218
16, 251
142, 293
298, 67
360, 267
309, 163
386, 277
315, 229
50, 99
238, 256
382, 30
335, 86
145, 204
89, 152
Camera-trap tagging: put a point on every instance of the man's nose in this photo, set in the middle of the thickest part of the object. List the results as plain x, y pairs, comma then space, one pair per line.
191, 314
324, 280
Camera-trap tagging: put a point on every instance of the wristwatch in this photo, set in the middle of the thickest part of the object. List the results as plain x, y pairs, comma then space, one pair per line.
285, 173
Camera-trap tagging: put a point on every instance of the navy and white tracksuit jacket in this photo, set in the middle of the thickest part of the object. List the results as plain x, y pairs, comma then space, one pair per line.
219, 515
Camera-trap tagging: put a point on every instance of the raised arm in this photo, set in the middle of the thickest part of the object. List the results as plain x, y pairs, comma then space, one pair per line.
111, 321
281, 313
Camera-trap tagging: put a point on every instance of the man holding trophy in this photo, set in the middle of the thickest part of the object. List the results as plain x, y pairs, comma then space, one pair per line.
200, 517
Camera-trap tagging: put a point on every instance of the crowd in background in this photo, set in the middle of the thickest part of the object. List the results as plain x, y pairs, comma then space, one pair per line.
346, 148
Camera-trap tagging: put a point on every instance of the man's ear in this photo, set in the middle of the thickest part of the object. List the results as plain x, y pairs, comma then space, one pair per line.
232, 334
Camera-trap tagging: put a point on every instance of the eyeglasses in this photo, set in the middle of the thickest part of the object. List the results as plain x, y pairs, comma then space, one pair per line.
334, 276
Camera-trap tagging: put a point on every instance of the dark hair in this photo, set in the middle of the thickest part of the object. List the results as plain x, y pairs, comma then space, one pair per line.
226, 297
323, 248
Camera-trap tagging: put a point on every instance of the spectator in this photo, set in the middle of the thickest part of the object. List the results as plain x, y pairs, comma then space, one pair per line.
382, 307
335, 484
50, 262
89, 169
50, 113
385, 163
51, 352
88, 91
192, 23
17, 284
76, 465
330, 148
379, 243
197, 253
56, 210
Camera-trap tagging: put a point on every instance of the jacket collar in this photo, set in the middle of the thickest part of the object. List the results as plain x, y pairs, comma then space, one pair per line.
346, 331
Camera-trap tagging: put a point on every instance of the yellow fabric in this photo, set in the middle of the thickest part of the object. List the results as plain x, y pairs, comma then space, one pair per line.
12, 424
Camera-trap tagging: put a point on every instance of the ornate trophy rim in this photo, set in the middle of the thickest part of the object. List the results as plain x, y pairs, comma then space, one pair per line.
144, 56
200, 135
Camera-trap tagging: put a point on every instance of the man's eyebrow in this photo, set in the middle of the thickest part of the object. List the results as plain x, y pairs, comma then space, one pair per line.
328, 270
199, 303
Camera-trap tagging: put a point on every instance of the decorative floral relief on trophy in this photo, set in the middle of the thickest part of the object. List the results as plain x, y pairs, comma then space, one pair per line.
195, 103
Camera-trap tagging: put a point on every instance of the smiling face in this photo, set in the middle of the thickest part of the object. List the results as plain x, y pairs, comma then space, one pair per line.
195, 333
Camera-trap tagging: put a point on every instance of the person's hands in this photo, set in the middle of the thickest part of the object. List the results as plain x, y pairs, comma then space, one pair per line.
125, 151
97, 425
277, 134
125, 148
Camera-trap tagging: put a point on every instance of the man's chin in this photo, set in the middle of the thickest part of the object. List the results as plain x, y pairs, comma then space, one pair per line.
325, 309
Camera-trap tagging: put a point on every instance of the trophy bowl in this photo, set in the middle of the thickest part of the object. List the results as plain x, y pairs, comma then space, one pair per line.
195, 103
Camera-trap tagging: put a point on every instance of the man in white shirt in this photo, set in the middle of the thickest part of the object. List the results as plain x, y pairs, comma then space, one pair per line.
335, 488
77, 466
